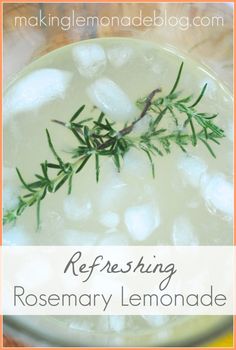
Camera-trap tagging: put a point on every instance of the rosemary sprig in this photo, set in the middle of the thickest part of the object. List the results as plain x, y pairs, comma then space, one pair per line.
99, 138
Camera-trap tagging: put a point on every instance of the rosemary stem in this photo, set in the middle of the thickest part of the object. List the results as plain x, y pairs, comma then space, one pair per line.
127, 130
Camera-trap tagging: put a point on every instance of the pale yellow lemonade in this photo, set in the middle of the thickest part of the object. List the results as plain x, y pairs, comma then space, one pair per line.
189, 202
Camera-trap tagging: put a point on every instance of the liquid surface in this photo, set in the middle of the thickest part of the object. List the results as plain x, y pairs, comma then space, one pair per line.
190, 201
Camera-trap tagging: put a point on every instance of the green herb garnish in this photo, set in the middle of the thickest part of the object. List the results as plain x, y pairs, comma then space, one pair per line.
99, 138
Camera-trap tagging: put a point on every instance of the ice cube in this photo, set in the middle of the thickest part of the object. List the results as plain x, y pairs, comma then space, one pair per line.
53, 219
116, 238
212, 87
230, 130
119, 55
142, 220
15, 236
111, 194
81, 325
9, 175
156, 64
192, 168
110, 219
90, 59
112, 100
143, 125
218, 194
183, 232
159, 70
77, 209
117, 323
35, 272
193, 204
76, 237
156, 320
36, 89
230, 160
10, 198
136, 163
102, 323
